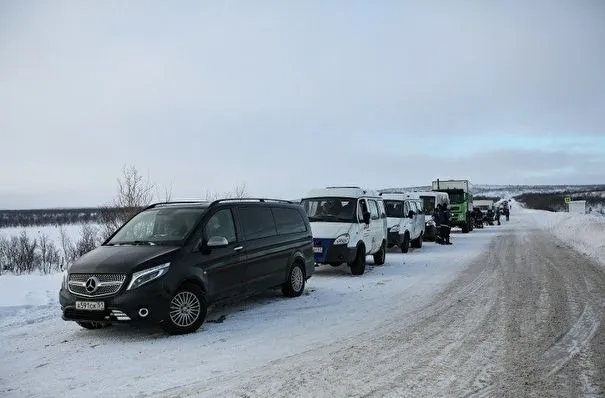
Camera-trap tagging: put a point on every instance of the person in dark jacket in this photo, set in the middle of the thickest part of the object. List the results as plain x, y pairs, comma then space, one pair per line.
437, 218
445, 224
498, 214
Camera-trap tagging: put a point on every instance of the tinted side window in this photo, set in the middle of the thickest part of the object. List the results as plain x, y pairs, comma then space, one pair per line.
257, 222
221, 224
288, 221
373, 210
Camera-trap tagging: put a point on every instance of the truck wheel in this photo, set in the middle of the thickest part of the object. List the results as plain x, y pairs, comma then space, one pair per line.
417, 243
405, 245
465, 228
379, 257
358, 266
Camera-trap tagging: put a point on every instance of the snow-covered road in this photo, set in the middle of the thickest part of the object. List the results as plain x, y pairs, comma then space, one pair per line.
506, 310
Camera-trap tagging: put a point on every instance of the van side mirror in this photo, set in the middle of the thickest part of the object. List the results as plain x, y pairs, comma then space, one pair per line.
217, 241
366, 217
206, 246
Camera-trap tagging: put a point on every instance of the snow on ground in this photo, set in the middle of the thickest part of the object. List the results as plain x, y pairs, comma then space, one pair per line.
336, 305
73, 231
585, 232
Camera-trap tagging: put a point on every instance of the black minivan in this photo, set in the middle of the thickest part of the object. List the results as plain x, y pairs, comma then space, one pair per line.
169, 261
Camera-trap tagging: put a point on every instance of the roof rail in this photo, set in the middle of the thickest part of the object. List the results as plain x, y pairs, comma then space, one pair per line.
176, 202
219, 201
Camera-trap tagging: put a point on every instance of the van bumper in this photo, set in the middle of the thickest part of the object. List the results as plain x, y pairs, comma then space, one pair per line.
123, 307
325, 252
394, 239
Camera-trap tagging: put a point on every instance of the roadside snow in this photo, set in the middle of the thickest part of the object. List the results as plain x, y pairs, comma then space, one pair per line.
585, 232
237, 337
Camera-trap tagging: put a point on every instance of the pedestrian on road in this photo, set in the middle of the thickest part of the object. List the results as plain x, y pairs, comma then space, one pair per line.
446, 224
498, 213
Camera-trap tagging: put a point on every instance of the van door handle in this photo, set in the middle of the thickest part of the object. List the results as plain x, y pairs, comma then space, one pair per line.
236, 249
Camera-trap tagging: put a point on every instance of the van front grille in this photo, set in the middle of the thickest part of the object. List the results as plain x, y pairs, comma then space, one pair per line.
95, 285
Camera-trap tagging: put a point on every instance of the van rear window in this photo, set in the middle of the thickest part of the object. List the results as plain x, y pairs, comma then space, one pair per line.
288, 221
257, 222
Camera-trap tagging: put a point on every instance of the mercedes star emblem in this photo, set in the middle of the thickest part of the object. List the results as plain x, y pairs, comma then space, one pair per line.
92, 284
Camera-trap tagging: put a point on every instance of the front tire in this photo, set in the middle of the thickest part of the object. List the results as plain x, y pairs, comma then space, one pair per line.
405, 245
358, 266
295, 285
380, 256
417, 243
186, 311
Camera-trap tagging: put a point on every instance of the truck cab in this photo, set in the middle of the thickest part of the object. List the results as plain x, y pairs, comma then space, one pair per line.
461, 201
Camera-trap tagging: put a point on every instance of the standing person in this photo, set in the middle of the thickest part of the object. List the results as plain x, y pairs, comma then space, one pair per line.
445, 224
437, 216
498, 212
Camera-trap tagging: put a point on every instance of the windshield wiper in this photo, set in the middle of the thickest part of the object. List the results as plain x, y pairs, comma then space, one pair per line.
134, 242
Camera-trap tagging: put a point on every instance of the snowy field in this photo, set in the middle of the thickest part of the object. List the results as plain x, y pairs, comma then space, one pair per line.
50, 357
73, 231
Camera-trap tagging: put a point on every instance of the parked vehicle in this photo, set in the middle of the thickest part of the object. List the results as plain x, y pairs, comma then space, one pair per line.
348, 224
430, 200
405, 220
171, 260
461, 201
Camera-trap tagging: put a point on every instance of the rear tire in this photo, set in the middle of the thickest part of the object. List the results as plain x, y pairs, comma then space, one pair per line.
93, 325
358, 266
405, 245
186, 311
295, 285
380, 256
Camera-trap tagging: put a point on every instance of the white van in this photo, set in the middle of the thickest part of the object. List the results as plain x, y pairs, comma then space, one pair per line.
405, 220
430, 200
348, 223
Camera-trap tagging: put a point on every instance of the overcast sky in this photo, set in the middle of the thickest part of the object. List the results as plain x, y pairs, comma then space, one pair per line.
287, 96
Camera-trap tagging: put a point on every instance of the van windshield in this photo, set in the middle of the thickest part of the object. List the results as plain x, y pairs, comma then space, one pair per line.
394, 208
160, 226
331, 209
428, 204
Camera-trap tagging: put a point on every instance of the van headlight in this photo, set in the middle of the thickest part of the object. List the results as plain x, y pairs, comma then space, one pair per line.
394, 228
147, 275
342, 240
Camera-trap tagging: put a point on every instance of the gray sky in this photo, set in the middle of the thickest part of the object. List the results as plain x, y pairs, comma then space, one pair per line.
287, 96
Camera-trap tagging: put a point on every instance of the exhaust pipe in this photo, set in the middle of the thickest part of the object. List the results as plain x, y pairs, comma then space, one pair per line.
143, 312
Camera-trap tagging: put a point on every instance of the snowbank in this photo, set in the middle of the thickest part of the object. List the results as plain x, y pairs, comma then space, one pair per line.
29, 290
584, 232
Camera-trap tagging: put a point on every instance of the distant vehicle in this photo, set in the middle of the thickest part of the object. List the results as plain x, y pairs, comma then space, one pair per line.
430, 200
171, 260
461, 201
405, 220
484, 205
348, 224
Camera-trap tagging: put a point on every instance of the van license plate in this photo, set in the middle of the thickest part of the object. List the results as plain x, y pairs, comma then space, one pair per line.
318, 249
90, 305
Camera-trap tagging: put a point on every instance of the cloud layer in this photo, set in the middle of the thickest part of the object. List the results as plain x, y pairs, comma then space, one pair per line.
287, 96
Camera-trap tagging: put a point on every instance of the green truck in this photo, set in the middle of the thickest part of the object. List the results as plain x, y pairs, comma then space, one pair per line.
461, 201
